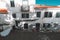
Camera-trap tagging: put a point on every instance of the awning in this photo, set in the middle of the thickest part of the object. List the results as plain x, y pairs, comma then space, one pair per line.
3, 11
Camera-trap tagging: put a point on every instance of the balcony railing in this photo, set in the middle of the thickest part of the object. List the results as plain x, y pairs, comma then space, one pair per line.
25, 8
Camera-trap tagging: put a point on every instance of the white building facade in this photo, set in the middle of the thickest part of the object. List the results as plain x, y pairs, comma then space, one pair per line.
28, 15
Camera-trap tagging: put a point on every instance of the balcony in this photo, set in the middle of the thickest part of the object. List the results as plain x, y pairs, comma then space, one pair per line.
25, 8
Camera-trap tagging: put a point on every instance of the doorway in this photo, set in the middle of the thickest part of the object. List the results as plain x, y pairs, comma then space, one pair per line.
37, 26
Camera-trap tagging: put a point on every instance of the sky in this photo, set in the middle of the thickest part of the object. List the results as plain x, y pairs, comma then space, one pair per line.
48, 2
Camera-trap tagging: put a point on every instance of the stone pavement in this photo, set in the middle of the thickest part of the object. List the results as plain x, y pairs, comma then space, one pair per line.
25, 35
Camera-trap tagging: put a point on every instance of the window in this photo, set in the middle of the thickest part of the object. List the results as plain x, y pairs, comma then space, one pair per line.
48, 14
14, 15
26, 26
25, 15
46, 25
12, 3
38, 14
58, 14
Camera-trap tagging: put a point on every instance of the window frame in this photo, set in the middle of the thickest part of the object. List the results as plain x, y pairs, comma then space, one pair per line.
48, 15
26, 26
25, 15
47, 25
39, 14
57, 16
12, 3
14, 15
